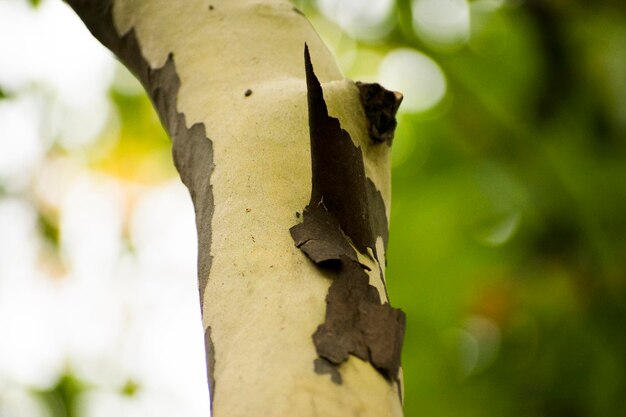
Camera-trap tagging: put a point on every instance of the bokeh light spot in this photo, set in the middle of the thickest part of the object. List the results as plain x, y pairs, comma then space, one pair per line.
500, 231
442, 22
368, 21
416, 76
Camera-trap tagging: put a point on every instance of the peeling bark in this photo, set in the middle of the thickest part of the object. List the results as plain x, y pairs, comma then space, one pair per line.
345, 209
339, 182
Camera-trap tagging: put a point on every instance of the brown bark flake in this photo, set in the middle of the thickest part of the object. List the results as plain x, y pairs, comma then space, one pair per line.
380, 106
345, 210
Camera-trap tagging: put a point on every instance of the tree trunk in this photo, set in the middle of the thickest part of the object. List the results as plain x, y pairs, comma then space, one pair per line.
290, 182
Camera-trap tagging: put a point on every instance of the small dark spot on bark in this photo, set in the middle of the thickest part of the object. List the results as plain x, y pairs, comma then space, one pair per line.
380, 106
210, 7
248, 93
322, 366
298, 214
248, 210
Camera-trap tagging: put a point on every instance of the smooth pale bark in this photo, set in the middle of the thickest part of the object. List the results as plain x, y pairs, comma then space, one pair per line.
246, 157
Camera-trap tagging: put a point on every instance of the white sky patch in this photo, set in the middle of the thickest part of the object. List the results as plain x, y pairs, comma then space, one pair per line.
362, 20
18, 239
80, 125
442, 22
416, 75
167, 311
157, 351
30, 354
16, 402
20, 139
163, 230
117, 316
54, 179
89, 328
91, 226
50, 49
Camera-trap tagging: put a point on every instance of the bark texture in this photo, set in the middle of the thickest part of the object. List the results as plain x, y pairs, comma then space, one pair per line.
228, 81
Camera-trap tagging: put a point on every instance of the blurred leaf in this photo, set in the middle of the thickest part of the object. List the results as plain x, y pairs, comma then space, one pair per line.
142, 151
49, 228
62, 399
130, 388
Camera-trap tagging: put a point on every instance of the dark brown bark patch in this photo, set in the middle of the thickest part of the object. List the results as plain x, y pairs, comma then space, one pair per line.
346, 210
380, 106
358, 324
321, 238
193, 156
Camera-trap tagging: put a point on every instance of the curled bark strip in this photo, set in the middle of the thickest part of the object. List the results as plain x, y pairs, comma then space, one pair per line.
380, 106
346, 212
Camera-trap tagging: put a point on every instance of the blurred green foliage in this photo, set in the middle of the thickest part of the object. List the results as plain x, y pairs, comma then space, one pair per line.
63, 399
